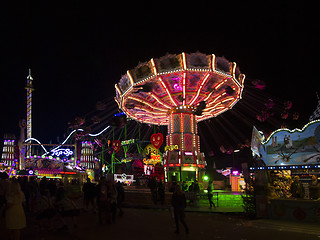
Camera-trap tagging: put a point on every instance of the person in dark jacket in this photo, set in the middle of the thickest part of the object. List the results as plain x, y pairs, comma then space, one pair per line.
161, 191
314, 188
102, 201
121, 197
178, 203
89, 190
153, 185
297, 189
210, 194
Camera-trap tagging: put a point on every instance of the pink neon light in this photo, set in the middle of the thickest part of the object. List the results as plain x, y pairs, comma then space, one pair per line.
176, 86
235, 172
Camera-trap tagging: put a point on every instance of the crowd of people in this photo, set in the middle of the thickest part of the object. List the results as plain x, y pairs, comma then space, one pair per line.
157, 189
54, 204
298, 191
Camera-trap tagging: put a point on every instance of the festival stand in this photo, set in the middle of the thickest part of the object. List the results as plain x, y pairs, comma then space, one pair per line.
279, 158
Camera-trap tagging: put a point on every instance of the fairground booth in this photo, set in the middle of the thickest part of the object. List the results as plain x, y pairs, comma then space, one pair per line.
67, 161
29, 157
286, 163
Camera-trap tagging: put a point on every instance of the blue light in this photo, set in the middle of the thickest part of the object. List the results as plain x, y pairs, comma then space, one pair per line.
119, 114
62, 151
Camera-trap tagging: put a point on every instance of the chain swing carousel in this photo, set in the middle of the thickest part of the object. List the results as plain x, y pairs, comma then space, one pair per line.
179, 90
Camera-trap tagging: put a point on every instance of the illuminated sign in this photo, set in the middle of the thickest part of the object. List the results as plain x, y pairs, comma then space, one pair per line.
171, 147
155, 155
155, 159
128, 142
126, 160
151, 150
124, 178
62, 152
104, 168
148, 170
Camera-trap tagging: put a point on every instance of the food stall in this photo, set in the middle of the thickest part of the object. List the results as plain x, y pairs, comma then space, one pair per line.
284, 157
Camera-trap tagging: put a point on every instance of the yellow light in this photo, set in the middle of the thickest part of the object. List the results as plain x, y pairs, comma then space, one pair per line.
184, 61
213, 62
117, 88
192, 128
182, 131
130, 78
168, 92
234, 65
214, 108
189, 169
216, 99
215, 89
159, 100
117, 102
202, 83
154, 69
147, 103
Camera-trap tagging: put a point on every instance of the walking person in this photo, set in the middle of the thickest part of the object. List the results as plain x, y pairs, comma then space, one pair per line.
34, 194
153, 185
178, 203
102, 201
46, 211
184, 186
4, 184
15, 216
112, 199
66, 207
88, 190
161, 191
210, 193
120, 198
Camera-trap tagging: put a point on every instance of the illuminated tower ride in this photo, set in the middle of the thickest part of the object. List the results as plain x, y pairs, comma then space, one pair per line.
179, 91
29, 88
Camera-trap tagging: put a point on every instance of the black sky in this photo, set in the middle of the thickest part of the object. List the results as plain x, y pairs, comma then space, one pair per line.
78, 50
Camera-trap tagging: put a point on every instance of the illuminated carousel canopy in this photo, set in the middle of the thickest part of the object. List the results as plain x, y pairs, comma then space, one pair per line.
203, 85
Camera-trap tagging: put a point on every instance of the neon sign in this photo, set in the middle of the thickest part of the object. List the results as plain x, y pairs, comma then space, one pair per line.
128, 142
62, 152
155, 159
124, 178
155, 155
171, 147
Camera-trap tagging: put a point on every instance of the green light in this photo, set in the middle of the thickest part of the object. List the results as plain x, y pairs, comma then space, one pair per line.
205, 178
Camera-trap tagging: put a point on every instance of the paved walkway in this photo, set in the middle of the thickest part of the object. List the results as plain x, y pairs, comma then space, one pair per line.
144, 219
157, 224
287, 226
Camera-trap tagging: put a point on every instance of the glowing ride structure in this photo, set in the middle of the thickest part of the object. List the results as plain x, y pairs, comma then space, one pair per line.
179, 91
29, 88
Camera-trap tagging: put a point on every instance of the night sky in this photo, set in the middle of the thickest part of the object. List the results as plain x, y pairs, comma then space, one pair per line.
78, 50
